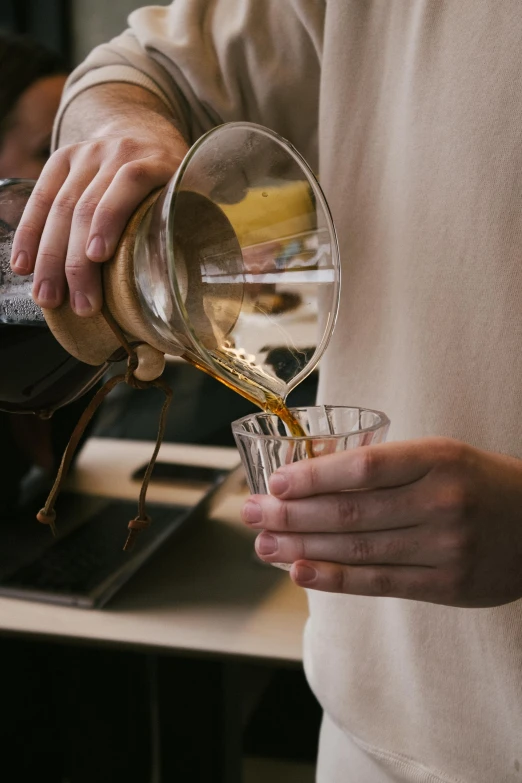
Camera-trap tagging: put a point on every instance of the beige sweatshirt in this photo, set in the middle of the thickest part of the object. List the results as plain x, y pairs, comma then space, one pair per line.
414, 108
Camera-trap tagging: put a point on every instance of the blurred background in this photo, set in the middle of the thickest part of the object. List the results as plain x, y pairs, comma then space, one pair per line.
203, 408
41, 727
70, 27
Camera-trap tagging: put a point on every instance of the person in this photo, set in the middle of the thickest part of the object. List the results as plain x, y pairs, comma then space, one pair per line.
31, 84
411, 550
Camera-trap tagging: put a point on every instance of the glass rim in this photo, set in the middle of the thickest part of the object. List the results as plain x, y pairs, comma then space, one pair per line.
383, 421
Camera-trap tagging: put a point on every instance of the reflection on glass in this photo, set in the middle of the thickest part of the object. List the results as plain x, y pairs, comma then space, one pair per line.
249, 285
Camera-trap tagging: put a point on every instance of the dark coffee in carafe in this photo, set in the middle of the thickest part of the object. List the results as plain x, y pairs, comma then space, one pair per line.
36, 374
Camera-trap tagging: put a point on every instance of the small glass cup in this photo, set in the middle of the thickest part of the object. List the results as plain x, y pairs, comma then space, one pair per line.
265, 446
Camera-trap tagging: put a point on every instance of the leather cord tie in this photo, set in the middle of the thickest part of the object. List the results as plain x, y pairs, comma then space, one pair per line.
47, 515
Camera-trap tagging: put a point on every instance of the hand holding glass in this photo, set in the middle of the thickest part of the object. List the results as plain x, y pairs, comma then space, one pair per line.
264, 445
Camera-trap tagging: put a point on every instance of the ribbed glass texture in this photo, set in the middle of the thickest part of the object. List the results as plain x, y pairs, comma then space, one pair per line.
264, 444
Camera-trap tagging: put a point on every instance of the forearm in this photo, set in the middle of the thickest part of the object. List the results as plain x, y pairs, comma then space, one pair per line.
117, 109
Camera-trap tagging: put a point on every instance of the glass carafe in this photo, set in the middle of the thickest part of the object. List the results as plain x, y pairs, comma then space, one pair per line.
233, 265
236, 263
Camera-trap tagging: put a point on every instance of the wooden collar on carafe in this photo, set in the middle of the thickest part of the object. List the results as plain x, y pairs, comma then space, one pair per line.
91, 339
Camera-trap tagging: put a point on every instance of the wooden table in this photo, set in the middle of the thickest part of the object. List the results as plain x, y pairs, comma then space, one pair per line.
204, 592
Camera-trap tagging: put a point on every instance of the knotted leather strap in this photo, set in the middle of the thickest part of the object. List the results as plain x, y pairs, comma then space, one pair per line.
47, 515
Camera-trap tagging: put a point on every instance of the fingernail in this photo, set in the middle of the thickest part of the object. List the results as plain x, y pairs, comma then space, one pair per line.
82, 306
21, 263
266, 544
96, 248
304, 573
252, 512
46, 292
278, 484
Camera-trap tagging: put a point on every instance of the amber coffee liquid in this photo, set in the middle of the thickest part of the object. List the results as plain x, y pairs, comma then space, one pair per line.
258, 395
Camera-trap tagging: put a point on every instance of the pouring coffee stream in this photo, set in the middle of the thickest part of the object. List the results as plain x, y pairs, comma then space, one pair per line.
192, 277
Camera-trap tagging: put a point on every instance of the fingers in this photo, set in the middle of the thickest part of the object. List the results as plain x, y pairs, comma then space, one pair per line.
31, 226
367, 467
415, 583
394, 547
89, 212
49, 273
133, 182
99, 219
380, 509
78, 211
84, 277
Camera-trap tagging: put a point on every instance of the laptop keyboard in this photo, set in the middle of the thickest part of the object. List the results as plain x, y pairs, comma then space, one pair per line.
86, 558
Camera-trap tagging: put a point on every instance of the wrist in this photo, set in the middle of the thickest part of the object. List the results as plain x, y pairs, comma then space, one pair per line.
153, 128
117, 110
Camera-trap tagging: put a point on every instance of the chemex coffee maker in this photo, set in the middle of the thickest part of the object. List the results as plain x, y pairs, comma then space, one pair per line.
235, 256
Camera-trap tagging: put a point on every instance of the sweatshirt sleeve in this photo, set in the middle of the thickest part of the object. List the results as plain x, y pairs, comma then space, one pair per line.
215, 61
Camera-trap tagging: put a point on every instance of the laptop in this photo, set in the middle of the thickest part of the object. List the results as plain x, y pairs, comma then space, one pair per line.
86, 565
